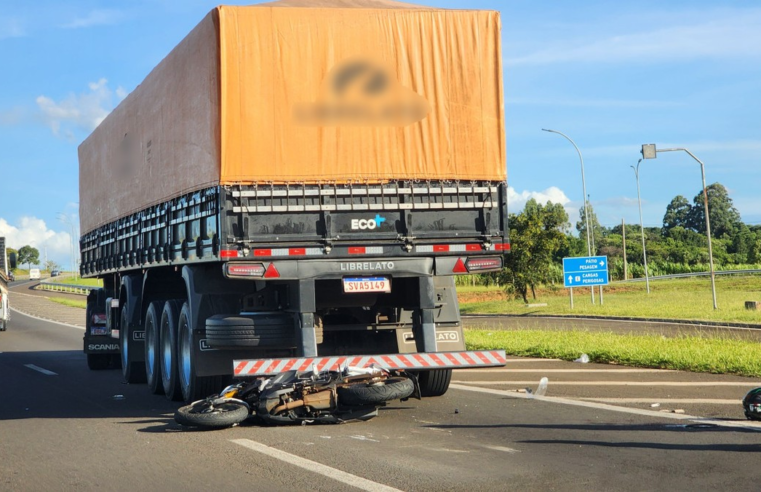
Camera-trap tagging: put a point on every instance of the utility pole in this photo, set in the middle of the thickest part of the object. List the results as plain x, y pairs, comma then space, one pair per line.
623, 233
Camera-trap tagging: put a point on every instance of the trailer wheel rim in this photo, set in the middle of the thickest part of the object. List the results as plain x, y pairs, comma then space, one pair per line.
186, 335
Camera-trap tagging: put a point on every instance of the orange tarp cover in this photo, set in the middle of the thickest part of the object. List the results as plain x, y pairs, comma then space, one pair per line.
276, 60
348, 91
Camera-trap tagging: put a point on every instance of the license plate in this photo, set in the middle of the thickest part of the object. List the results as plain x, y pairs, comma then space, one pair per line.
369, 284
98, 331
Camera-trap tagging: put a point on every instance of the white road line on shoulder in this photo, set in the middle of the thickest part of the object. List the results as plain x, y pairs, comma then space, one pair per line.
750, 384
40, 369
603, 406
696, 401
22, 313
511, 370
313, 466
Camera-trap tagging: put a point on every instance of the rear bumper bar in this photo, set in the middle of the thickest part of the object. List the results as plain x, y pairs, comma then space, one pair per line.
418, 361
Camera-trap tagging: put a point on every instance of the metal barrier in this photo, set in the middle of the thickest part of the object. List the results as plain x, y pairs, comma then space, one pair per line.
47, 284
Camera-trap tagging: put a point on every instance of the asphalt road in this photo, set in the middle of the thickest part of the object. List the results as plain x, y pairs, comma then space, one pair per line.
66, 428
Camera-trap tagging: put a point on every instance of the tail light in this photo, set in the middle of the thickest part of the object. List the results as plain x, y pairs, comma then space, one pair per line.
244, 269
483, 264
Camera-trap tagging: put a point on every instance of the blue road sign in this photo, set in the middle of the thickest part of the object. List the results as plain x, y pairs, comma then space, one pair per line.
585, 271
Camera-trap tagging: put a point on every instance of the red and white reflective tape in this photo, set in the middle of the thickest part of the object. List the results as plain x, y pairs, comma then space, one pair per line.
431, 360
459, 248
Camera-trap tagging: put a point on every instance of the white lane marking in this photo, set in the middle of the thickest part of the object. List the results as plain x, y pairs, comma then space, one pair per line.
40, 369
603, 406
614, 383
711, 401
503, 449
22, 313
510, 370
313, 466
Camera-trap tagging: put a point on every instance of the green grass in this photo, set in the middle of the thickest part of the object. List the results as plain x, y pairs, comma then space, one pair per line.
712, 354
88, 282
70, 302
688, 298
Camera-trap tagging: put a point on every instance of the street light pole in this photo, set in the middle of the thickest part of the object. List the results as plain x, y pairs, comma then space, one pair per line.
584, 188
650, 152
641, 227
72, 255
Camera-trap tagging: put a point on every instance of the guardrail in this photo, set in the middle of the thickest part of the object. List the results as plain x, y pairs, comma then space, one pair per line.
685, 275
47, 284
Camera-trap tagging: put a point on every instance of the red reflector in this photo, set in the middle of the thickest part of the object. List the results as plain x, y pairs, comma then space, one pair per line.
297, 251
245, 270
229, 253
440, 248
478, 264
262, 252
472, 247
271, 272
359, 250
459, 267
502, 247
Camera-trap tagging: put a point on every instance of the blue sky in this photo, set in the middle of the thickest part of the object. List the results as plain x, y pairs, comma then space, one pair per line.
610, 75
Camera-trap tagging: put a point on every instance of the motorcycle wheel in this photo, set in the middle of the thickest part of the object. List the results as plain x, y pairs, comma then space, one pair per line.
205, 414
374, 393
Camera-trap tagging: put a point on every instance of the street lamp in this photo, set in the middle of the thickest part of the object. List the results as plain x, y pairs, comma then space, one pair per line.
650, 152
584, 187
641, 227
72, 257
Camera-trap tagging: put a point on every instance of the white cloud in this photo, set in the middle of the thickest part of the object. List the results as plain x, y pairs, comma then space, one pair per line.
734, 35
96, 18
552, 194
11, 28
34, 232
82, 111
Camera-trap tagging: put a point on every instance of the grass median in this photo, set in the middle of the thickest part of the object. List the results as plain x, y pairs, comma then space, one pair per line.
70, 302
705, 353
687, 298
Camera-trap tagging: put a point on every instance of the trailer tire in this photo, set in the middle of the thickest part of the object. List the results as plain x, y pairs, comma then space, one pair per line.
203, 414
169, 348
365, 394
132, 371
434, 382
153, 347
2, 325
192, 386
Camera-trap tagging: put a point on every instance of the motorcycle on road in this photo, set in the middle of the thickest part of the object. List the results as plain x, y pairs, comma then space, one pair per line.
291, 397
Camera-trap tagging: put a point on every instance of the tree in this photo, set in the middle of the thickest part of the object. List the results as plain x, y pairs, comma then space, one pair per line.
725, 218
51, 265
677, 213
28, 255
536, 234
594, 224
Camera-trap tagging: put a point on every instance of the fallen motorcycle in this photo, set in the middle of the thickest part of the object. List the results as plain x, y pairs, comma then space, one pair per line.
291, 397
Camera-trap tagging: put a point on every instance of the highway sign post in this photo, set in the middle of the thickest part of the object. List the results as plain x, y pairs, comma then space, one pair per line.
585, 271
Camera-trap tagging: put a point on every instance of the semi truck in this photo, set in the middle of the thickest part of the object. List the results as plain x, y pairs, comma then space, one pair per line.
7, 264
297, 185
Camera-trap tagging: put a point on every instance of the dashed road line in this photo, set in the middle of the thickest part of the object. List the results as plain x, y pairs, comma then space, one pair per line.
313, 466
40, 369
